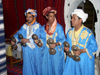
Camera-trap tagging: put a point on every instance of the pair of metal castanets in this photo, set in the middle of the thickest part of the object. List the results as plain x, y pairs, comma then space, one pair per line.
14, 47
52, 51
74, 48
35, 37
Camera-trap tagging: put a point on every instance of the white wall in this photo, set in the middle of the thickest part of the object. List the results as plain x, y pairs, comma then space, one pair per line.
69, 7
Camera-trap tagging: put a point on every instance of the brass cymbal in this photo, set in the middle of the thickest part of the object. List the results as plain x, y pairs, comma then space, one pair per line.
52, 51
76, 58
69, 54
40, 44
66, 44
74, 48
23, 44
35, 37
50, 41
20, 36
13, 39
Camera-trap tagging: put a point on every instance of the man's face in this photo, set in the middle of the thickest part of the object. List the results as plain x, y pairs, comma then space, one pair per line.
29, 18
75, 20
51, 17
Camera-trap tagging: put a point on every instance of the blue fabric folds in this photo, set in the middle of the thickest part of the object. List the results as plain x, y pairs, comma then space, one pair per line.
53, 64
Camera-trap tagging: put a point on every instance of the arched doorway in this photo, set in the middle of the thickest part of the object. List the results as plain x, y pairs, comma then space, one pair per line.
92, 17
71, 5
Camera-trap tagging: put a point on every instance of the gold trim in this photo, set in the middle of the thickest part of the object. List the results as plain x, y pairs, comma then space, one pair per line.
83, 37
88, 54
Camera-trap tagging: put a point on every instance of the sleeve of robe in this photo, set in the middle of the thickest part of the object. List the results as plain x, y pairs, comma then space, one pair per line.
91, 46
61, 36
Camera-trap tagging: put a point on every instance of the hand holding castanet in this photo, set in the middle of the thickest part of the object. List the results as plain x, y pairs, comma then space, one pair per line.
75, 57
37, 41
21, 37
51, 50
66, 48
14, 46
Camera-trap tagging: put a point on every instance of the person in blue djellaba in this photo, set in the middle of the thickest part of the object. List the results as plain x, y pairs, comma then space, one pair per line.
82, 46
31, 52
52, 35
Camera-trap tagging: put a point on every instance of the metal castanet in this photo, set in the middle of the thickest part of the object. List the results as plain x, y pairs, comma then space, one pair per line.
21, 37
13, 39
66, 44
35, 37
50, 41
52, 51
76, 58
75, 48
14, 47
69, 54
40, 44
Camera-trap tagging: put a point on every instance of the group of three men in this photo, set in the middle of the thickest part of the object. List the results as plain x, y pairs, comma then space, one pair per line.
39, 61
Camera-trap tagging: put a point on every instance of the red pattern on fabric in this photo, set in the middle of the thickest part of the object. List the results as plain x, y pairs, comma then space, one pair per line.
49, 9
16, 69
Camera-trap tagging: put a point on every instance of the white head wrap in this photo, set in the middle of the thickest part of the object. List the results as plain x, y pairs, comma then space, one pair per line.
80, 13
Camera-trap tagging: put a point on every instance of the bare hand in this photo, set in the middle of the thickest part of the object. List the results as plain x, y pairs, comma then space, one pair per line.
24, 40
77, 53
66, 49
53, 45
36, 41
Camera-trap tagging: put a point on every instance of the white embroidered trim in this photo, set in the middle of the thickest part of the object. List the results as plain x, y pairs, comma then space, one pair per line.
36, 26
29, 44
32, 44
29, 36
24, 26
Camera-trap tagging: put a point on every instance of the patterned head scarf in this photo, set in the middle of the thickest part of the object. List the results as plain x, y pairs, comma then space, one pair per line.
49, 9
80, 13
32, 11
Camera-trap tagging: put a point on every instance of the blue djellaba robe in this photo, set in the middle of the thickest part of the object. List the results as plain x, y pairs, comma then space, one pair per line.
31, 53
85, 66
53, 64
